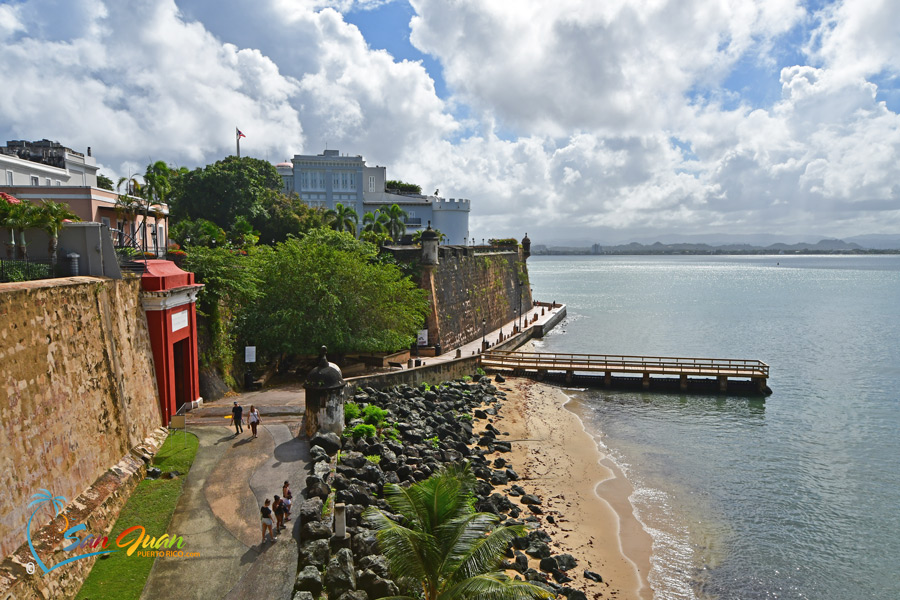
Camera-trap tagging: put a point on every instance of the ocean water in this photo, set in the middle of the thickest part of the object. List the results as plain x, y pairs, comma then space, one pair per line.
797, 496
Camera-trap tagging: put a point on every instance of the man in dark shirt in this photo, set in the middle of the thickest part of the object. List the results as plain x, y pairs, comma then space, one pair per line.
237, 415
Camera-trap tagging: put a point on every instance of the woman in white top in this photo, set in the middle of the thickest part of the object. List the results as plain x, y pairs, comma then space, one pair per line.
253, 419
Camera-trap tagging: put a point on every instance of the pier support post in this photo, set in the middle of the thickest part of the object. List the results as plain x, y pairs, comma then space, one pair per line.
607, 379
723, 383
646, 381
684, 382
761, 382
540, 375
569, 375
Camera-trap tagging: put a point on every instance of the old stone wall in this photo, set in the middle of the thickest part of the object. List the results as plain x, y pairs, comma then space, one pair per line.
77, 390
468, 285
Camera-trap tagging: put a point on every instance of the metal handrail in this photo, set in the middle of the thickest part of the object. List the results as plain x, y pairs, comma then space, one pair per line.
620, 362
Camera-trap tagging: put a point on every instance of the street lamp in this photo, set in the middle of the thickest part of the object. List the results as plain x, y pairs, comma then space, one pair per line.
483, 333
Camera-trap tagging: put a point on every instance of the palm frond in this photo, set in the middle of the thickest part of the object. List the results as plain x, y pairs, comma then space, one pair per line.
485, 554
494, 586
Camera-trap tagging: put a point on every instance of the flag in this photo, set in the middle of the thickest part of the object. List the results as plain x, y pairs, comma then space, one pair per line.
239, 134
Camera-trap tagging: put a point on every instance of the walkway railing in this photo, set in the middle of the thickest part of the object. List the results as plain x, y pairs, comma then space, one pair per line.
666, 365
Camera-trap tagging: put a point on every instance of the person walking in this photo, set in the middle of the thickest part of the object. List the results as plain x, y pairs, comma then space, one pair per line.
253, 419
286, 499
237, 415
266, 513
278, 509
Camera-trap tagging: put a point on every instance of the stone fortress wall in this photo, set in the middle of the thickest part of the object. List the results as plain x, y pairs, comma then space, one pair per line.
469, 284
77, 391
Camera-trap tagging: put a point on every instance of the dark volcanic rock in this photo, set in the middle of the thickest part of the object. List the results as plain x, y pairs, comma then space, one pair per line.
311, 510
309, 580
315, 552
593, 576
530, 499
340, 576
538, 550
315, 530
353, 595
376, 586
330, 442
377, 563
566, 562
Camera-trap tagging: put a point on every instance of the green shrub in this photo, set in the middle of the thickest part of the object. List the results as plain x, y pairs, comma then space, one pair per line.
433, 441
351, 411
392, 433
363, 430
373, 415
480, 371
373, 458
467, 378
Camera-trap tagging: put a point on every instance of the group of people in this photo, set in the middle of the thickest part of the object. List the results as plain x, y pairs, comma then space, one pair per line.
280, 508
237, 415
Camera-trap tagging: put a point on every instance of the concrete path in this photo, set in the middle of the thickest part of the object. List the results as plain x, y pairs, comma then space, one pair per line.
218, 516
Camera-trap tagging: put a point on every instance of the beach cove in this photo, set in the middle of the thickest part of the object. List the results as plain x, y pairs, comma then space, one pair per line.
583, 492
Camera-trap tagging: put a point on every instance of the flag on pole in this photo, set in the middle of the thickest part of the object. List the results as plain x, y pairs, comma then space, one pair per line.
239, 134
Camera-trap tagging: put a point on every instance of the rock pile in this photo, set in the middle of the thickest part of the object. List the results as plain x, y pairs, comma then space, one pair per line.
431, 427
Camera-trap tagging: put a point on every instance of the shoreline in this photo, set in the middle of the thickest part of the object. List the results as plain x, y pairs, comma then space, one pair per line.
584, 492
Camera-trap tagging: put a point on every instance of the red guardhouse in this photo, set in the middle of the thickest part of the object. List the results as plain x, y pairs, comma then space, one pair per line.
169, 300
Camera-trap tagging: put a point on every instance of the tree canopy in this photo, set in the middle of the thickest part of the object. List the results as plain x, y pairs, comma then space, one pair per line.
224, 190
329, 288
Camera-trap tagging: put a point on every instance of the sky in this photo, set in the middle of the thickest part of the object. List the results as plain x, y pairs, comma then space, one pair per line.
575, 121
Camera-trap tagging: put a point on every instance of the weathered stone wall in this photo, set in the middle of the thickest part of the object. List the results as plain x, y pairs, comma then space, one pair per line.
77, 390
468, 285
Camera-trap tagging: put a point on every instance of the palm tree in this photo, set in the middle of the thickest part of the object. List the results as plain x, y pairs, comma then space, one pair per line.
51, 216
444, 545
157, 186
376, 222
23, 216
342, 218
396, 224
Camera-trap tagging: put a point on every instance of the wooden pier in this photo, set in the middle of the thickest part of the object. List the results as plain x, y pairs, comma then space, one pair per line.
721, 375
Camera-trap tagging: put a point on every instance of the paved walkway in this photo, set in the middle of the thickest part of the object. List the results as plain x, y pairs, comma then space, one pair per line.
218, 516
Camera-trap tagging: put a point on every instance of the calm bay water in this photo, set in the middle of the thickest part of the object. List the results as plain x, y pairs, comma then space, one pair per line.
794, 497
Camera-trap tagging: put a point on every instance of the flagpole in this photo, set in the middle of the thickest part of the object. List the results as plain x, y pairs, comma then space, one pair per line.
237, 135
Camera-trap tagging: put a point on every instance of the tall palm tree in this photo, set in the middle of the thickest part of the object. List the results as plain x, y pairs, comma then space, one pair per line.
444, 545
51, 216
396, 223
342, 218
157, 186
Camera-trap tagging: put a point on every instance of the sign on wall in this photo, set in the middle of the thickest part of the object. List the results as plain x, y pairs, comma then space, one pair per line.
179, 320
422, 338
250, 354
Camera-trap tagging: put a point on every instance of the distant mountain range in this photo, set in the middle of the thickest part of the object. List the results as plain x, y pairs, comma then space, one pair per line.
860, 245
749, 241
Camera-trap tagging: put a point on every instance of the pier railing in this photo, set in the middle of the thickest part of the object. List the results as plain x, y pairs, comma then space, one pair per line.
665, 365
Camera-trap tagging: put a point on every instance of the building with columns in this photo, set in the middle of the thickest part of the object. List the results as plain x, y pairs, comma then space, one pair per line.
326, 179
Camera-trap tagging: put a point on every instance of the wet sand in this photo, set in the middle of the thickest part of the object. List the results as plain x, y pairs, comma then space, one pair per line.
581, 489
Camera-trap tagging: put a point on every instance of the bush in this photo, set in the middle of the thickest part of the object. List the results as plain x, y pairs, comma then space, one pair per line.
374, 415
373, 458
351, 411
362, 430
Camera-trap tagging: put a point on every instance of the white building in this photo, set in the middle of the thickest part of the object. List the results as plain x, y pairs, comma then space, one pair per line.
326, 179
47, 170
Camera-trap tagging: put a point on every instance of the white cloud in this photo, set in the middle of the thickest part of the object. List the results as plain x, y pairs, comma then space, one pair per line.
561, 120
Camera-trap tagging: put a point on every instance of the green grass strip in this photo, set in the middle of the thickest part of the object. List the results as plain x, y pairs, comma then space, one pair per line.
152, 504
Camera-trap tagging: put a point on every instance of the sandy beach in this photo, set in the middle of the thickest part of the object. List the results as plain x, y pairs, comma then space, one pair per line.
581, 489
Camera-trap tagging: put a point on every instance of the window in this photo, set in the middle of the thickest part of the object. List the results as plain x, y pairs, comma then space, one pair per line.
9, 178
161, 240
48, 182
35, 180
371, 183
58, 182
312, 180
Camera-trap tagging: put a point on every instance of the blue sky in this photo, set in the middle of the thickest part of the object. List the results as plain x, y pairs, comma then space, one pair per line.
573, 120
